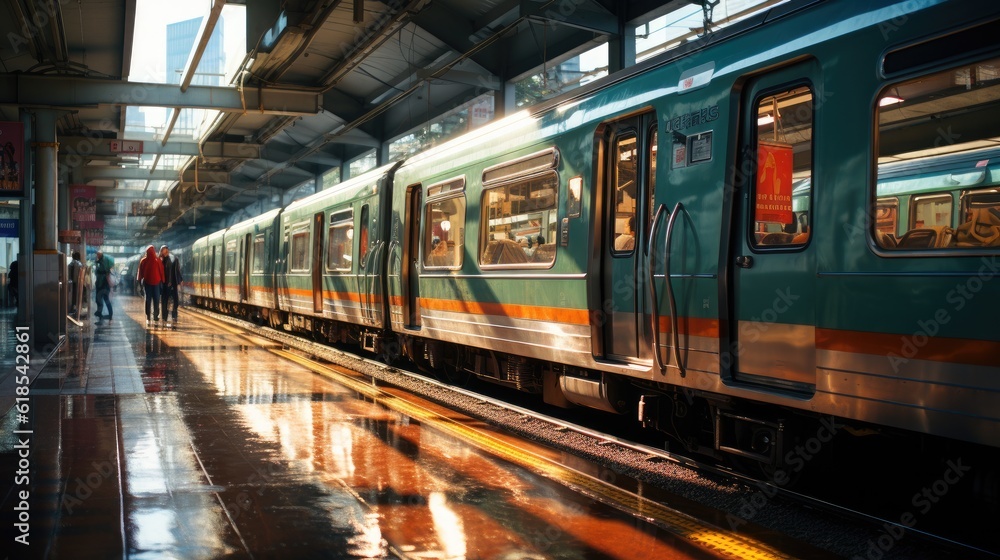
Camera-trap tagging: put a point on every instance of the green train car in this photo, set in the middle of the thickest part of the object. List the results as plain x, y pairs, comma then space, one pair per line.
791, 220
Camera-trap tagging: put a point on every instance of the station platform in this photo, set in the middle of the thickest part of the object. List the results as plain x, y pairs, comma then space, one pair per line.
195, 443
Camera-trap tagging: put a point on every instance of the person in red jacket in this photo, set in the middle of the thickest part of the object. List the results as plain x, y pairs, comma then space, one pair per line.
151, 275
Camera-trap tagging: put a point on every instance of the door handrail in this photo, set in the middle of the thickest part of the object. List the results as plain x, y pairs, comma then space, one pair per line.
651, 271
372, 258
670, 289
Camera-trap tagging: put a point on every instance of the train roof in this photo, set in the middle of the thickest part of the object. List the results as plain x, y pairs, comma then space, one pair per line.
965, 170
348, 187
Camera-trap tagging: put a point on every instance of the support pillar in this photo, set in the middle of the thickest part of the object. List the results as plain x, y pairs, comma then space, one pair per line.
25, 251
622, 48
49, 276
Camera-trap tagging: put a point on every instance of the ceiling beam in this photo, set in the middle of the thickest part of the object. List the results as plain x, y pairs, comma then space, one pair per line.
73, 92
139, 174
101, 147
130, 194
586, 16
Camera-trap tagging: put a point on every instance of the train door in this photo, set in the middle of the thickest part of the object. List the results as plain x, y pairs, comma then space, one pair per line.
772, 333
317, 263
211, 274
411, 258
247, 251
627, 155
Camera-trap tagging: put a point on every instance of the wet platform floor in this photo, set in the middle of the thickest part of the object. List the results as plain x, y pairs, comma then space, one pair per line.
195, 443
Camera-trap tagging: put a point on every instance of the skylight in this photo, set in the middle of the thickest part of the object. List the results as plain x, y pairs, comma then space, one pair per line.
165, 35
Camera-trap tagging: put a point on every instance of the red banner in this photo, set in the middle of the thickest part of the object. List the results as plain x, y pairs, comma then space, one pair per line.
11, 159
774, 183
93, 233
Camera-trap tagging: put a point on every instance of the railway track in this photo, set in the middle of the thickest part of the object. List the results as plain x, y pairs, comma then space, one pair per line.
740, 509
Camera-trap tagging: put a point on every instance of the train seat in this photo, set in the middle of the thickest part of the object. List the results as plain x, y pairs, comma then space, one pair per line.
927, 237
504, 251
544, 254
982, 229
886, 240
777, 238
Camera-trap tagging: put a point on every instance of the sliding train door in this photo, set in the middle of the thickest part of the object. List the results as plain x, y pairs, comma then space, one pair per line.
772, 334
411, 256
627, 160
317, 263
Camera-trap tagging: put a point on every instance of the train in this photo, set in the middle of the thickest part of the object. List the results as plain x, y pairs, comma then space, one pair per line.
786, 224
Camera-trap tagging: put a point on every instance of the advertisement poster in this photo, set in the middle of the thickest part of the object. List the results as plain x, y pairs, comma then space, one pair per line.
83, 204
11, 159
774, 183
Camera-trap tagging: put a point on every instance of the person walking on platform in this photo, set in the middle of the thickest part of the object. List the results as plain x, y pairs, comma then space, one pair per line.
12, 283
102, 269
73, 271
171, 281
151, 275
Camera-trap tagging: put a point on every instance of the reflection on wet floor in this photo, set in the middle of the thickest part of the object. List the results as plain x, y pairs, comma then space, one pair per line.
192, 443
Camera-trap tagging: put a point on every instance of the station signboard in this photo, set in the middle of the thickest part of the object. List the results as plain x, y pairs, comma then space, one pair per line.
10, 227
125, 146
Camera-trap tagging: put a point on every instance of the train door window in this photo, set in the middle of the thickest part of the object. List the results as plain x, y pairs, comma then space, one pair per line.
340, 241
651, 178
936, 164
299, 252
782, 185
626, 174
231, 257
363, 238
930, 211
258, 254
444, 219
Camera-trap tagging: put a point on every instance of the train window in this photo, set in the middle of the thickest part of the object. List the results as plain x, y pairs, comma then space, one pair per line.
443, 238
520, 219
887, 215
298, 257
231, 257
340, 240
935, 145
782, 186
626, 174
932, 211
258, 253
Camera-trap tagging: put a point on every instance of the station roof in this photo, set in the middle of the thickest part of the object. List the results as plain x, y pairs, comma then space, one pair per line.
322, 82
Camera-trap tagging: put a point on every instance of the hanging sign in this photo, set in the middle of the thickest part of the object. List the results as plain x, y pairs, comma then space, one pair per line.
774, 183
11, 159
125, 146
10, 227
71, 236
